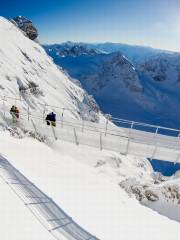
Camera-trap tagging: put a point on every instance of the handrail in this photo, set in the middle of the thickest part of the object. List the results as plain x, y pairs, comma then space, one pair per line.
3, 98
104, 136
79, 125
119, 120
113, 119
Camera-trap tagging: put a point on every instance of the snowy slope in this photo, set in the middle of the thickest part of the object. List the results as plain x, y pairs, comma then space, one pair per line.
161, 195
24, 63
86, 188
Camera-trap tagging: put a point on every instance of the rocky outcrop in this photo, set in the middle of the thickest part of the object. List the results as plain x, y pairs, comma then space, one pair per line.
26, 26
168, 191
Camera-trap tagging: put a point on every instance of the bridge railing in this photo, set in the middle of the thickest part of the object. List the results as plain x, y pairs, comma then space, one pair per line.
64, 113
127, 137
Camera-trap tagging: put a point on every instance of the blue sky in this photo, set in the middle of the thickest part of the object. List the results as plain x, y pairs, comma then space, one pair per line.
153, 23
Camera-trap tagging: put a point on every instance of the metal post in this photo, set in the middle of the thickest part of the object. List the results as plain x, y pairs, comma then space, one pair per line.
4, 109
62, 118
154, 152
178, 156
28, 112
34, 126
44, 111
177, 159
75, 137
107, 120
100, 141
157, 129
156, 145
82, 125
178, 136
129, 138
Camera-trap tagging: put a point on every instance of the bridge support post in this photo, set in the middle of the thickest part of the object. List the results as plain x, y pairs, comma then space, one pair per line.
108, 117
44, 111
34, 126
154, 152
178, 137
28, 112
157, 129
155, 149
106, 126
82, 125
129, 138
178, 156
177, 159
4, 107
62, 118
100, 141
75, 137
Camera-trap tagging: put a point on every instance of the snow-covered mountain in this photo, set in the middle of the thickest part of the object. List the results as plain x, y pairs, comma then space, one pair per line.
99, 74
70, 49
136, 54
132, 84
164, 68
27, 72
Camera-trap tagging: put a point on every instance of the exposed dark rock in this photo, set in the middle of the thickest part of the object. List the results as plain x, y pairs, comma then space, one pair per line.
26, 26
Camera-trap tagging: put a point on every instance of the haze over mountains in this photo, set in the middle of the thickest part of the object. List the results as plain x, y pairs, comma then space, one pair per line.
132, 82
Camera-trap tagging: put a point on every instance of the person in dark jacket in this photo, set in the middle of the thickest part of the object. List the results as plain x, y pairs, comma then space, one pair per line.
14, 111
51, 119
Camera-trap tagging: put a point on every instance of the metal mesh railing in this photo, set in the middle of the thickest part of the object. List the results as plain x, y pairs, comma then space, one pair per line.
129, 138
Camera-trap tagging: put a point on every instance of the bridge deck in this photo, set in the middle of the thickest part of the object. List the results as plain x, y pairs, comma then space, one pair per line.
49, 214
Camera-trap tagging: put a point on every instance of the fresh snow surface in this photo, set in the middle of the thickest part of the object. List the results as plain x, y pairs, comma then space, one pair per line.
90, 195
23, 62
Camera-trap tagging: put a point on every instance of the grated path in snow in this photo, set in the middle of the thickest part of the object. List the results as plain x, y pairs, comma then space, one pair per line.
48, 213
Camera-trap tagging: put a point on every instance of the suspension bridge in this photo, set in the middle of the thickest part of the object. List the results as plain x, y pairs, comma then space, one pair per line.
120, 135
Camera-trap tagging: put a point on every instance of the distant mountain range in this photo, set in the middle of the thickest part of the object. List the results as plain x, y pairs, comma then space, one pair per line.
133, 82
136, 54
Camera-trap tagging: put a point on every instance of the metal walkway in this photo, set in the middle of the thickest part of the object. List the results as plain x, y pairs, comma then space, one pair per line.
48, 213
152, 145
120, 135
